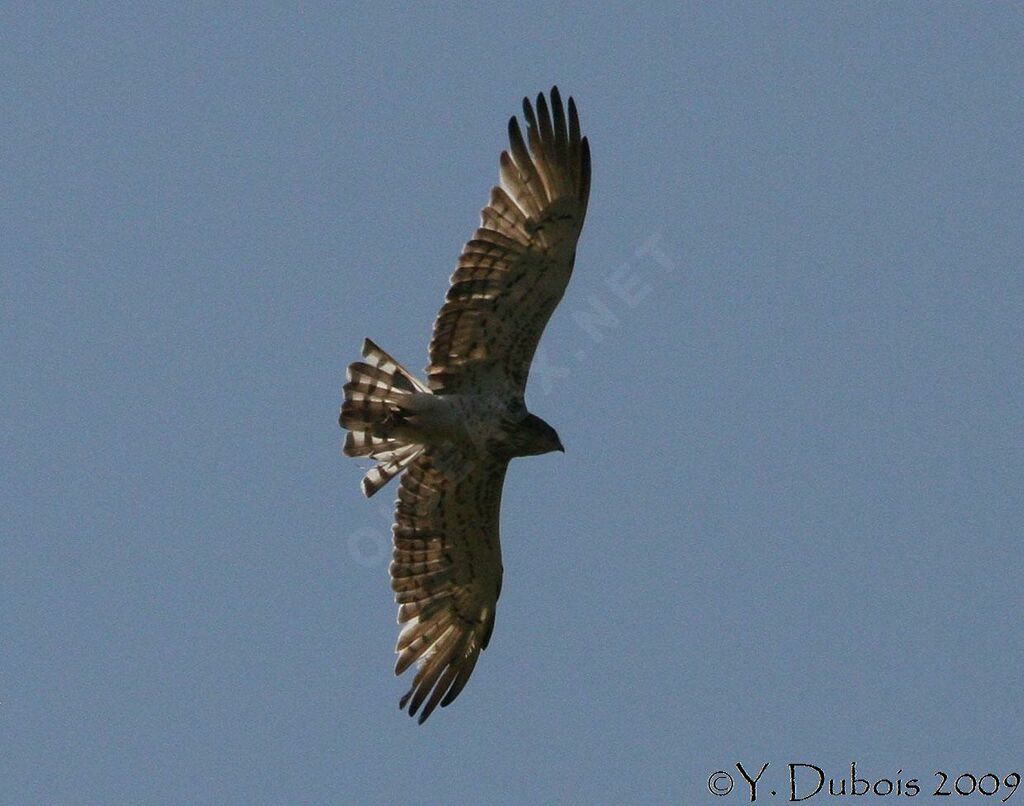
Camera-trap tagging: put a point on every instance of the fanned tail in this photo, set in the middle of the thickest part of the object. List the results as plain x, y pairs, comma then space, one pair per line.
374, 392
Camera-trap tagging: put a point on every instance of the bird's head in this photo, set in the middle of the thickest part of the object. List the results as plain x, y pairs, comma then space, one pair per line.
536, 437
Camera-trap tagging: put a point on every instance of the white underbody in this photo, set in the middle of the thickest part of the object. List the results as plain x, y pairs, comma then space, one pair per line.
463, 420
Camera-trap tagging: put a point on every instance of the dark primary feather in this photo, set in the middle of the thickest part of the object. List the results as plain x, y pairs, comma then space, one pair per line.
513, 272
446, 574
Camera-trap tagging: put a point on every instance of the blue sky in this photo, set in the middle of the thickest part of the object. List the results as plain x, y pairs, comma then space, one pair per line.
787, 526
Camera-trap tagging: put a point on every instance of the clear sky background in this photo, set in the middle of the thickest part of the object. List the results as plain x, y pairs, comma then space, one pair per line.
788, 524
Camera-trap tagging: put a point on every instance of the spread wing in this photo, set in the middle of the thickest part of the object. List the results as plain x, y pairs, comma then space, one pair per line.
513, 272
446, 572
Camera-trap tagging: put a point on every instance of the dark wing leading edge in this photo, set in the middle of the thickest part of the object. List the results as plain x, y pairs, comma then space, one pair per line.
513, 272
446, 572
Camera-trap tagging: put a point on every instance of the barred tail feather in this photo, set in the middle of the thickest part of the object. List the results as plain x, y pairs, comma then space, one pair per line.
373, 391
376, 477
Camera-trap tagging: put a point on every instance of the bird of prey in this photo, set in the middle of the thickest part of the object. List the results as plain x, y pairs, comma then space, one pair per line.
453, 436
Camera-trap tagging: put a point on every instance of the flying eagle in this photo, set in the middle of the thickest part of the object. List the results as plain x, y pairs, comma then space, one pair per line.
454, 435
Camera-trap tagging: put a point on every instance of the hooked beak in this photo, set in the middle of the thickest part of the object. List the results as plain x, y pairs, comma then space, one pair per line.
560, 448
